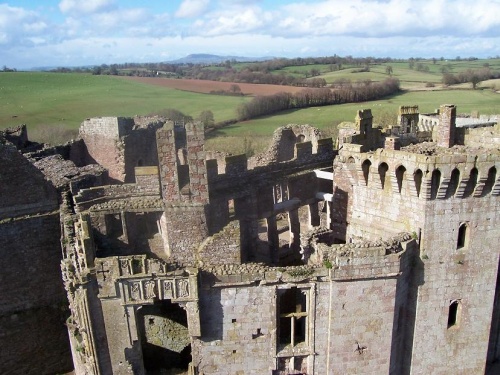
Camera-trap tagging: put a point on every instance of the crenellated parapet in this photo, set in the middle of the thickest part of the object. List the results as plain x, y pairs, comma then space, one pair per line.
424, 171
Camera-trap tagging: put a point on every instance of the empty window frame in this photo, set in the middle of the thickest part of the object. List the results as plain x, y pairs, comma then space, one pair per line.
293, 316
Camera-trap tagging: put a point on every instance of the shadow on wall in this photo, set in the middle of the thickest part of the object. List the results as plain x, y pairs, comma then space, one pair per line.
405, 317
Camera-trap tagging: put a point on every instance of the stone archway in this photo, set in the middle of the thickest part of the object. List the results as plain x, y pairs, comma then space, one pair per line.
164, 338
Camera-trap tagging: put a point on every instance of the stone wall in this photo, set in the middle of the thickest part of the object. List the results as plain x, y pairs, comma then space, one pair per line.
466, 275
389, 196
33, 303
24, 188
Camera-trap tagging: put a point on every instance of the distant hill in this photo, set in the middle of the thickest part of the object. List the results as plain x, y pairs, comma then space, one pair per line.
205, 58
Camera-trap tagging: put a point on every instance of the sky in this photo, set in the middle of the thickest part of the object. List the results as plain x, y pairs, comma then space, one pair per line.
56, 33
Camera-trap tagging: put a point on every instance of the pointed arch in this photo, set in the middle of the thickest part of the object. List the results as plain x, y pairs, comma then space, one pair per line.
463, 236
366, 170
382, 171
471, 184
435, 182
400, 177
490, 181
454, 182
417, 178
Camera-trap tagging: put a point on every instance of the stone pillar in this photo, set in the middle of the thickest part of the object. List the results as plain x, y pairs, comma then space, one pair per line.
445, 134
195, 139
314, 219
392, 143
124, 227
167, 161
273, 238
294, 225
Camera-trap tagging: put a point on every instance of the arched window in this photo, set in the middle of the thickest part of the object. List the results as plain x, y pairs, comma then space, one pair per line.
471, 184
435, 182
490, 181
366, 170
453, 185
463, 236
417, 177
454, 311
382, 171
400, 177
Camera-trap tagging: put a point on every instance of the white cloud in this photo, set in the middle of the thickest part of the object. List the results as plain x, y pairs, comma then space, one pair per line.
233, 22
398, 28
17, 25
85, 6
191, 8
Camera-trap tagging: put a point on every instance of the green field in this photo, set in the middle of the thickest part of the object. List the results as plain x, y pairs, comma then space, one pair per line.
62, 101
484, 101
409, 78
42, 99
326, 118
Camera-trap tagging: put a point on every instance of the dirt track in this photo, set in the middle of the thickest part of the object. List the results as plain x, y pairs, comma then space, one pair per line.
203, 86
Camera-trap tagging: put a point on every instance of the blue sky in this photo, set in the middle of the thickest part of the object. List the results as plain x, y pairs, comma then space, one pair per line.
87, 32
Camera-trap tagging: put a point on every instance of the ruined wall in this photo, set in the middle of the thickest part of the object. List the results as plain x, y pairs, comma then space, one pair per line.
33, 303
488, 137
24, 188
283, 144
104, 144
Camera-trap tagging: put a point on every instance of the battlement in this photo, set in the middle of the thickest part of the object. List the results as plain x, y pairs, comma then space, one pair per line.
425, 171
238, 165
408, 110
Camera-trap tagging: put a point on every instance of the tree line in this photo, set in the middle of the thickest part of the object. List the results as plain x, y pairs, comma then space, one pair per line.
359, 92
470, 76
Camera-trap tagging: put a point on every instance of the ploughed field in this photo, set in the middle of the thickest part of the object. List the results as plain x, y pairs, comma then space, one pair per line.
206, 87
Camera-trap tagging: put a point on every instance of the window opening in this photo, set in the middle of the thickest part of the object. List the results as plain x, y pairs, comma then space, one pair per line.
400, 177
453, 313
462, 236
417, 177
292, 306
435, 182
453, 185
490, 181
382, 170
366, 170
471, 184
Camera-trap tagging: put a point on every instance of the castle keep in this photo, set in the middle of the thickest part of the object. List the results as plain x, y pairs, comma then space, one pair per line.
376, 255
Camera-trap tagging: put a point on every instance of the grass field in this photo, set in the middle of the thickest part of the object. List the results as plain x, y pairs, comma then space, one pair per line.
327, 118
50, 99
62, 101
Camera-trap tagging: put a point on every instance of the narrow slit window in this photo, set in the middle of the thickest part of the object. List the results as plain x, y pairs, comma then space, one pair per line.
366, 170
463, 236
454, 313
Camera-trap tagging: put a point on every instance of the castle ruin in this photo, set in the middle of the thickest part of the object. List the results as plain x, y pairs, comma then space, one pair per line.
374, 257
